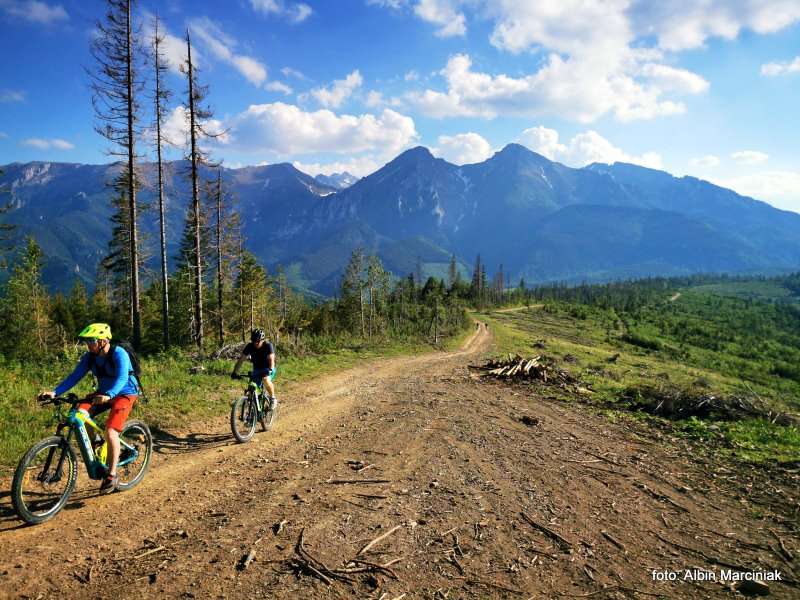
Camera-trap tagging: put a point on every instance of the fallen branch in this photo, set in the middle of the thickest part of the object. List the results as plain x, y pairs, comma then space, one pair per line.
565, 544
356, 481
659, 495
364, 506
608, 536
611, 589
149, 552
313, 565
378, 539
784, 549
711, 559
475, 580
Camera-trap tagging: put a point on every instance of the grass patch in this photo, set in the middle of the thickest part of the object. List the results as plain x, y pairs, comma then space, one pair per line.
603, 355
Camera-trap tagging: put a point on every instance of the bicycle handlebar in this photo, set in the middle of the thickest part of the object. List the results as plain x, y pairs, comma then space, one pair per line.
72, 399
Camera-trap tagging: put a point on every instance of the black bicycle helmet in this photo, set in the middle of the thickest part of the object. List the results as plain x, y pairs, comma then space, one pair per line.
258, 335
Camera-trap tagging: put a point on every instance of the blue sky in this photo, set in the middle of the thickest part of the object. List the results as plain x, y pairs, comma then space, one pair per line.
702, 87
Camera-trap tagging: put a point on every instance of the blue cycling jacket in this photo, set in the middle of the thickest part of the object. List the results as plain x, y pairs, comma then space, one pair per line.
118, 380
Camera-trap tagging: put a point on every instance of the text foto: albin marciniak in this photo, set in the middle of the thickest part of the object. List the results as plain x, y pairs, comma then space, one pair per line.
724, 575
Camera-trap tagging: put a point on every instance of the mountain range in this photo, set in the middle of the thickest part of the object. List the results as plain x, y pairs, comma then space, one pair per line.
540, 219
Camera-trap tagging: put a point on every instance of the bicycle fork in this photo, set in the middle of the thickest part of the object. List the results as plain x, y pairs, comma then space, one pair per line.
44, 476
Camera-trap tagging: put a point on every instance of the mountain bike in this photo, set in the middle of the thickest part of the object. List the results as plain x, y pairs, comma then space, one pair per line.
46, 476
246, 410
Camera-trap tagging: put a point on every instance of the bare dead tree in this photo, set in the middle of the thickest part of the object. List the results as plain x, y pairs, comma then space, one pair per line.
220, 280
115, 84
161, 99
199, 116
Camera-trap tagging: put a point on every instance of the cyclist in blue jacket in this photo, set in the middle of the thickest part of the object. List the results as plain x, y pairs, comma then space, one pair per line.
117, 389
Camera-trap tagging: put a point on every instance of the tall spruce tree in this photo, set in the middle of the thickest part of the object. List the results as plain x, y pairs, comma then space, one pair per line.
26, 306
352, 292
6, 229
452, 271
251, 283
115, 84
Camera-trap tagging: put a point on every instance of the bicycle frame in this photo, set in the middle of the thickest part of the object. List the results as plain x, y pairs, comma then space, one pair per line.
96, 467
254, 389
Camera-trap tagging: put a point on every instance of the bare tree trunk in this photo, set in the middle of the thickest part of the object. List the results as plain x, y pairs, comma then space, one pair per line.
361, 306
241, 288
220, 323
252, 310
161, 216
198, 269
371, 310
134, 241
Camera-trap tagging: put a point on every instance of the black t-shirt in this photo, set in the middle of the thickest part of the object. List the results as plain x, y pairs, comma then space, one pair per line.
259, 356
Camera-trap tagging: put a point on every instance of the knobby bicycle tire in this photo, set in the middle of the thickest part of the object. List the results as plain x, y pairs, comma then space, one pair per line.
138, 434
60, 453
243, 419
268, 417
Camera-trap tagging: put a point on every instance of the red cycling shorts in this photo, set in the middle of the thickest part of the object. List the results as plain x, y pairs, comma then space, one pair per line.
120, 409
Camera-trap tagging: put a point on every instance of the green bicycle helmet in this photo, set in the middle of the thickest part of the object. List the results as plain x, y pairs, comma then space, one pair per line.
99, 331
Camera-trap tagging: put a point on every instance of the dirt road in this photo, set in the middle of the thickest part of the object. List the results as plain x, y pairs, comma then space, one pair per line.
480, 490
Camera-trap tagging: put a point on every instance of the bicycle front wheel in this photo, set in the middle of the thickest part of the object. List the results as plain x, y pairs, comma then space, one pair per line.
44, 480
244, 415
269, 415
136, 449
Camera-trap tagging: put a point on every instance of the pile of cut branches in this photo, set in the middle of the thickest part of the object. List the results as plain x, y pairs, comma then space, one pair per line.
678, 403
230, 351
540, 368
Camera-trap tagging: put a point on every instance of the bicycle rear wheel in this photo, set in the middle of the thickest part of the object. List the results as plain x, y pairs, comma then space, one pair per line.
244, 415
133, 462
44, 480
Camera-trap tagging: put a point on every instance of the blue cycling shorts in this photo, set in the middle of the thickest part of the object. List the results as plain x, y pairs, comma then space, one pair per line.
258, 376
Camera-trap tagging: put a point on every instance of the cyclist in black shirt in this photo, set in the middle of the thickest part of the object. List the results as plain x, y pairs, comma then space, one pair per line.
262, 354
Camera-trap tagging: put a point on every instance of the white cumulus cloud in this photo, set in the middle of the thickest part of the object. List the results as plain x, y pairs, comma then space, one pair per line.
374, 99
583, 149
48, 144
463, 148
290, 72
175, 128
339, 91
35, 11
294, 12
779, 188
687, 24
581, 90
286, 129
675, 80
781, 68
443, 13
222, 47
749, 157
278, 86
172, 47
610, 57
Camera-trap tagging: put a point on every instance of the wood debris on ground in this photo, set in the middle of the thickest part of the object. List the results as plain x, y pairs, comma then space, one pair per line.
539, 368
